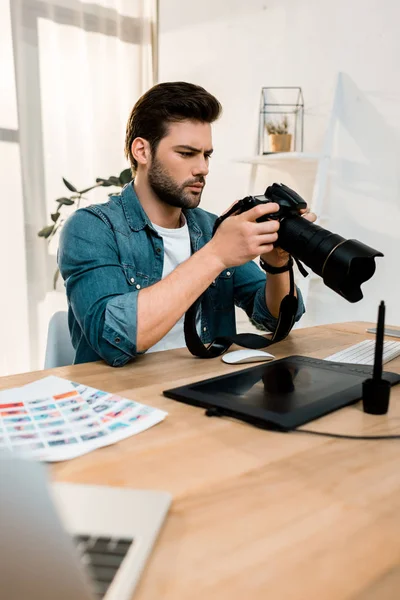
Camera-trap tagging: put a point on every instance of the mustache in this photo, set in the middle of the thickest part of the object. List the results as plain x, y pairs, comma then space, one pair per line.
200, 179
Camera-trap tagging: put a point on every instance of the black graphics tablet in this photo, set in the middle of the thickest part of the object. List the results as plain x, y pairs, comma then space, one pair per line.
282, 394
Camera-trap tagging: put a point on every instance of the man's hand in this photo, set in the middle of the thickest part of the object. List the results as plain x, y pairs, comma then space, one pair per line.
277, 257
240, 238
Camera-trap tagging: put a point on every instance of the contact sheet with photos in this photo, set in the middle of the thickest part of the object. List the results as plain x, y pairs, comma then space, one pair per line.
54, 419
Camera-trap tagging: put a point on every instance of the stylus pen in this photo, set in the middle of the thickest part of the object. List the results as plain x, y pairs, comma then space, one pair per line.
377, 373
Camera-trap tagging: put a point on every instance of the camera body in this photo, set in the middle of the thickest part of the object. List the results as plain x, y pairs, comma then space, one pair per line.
290, 203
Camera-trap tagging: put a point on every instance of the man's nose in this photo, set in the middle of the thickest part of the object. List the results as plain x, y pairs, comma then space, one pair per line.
201, 166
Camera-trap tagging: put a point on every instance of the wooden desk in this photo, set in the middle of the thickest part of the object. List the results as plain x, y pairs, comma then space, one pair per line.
256, 514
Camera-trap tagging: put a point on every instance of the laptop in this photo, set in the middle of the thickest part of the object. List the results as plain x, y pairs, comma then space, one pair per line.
72, 542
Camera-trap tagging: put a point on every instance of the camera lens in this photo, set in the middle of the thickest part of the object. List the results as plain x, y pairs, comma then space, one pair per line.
343, 264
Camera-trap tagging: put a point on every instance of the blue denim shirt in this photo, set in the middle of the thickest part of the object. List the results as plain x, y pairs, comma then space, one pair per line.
109, 252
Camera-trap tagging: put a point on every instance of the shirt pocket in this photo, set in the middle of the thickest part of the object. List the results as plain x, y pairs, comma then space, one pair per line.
135, 278
221, 291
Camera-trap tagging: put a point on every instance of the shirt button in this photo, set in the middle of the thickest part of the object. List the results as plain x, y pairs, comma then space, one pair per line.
228, 273
204, 328
117, 340
137, 286
132, 280
158, 250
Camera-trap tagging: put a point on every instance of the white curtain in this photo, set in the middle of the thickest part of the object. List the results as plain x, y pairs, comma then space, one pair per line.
70, 73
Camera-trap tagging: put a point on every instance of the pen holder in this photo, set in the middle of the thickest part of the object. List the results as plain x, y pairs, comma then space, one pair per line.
376, 395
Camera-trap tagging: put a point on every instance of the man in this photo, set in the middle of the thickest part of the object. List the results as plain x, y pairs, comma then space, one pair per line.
133, 266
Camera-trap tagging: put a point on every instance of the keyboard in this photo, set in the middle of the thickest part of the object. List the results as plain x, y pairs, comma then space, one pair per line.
364, 353
102, 557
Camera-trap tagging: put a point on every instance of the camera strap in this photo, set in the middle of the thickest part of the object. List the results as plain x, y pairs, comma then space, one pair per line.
287, 314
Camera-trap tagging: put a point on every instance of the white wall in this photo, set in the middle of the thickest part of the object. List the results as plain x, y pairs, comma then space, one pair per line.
233, 48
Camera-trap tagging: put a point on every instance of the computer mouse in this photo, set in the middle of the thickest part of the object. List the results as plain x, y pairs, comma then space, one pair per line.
246, 356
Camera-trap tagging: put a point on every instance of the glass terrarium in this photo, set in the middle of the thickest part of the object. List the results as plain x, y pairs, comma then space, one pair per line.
281, 120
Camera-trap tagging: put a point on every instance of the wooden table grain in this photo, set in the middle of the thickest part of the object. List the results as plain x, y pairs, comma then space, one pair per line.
255, 514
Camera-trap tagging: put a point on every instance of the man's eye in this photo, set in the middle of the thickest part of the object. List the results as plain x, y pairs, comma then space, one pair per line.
186, 153
208, 156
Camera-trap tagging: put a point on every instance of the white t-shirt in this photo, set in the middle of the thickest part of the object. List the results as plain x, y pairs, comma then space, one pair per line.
177, 249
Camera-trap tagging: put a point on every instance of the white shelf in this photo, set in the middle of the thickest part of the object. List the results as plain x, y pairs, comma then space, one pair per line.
280, 158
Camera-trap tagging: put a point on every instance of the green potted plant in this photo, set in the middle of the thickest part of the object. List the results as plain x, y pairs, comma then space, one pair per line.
59, 217
280, 140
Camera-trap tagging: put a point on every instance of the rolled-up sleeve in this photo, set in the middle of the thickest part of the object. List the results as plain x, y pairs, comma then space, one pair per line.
99, 294
250, 284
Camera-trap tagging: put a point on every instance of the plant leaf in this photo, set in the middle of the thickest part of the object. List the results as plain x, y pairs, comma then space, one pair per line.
46, 231
125, 176
55, 216
104, 182
55, 278
66, 201
69, 185
87, 190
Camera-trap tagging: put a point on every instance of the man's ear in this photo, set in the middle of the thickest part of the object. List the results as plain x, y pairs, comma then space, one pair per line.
141, 151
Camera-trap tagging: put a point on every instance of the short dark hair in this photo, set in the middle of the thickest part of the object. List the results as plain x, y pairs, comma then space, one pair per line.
167, 103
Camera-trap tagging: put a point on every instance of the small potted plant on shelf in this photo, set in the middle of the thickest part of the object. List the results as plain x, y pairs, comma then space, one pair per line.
280, 139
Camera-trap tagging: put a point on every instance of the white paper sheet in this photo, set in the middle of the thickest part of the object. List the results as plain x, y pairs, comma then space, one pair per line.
54, 419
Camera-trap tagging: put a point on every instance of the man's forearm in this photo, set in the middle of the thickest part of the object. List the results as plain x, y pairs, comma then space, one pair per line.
278, 286
161, 305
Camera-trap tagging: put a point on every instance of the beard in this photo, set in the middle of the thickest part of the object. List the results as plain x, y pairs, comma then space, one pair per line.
169, 191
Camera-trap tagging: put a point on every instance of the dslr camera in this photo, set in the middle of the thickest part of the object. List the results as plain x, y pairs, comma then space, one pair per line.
343, 264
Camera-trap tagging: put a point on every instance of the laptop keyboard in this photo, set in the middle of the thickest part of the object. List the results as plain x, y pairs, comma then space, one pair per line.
102, 557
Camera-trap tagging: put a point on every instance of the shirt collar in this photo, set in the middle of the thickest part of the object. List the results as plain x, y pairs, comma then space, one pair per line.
135, 215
